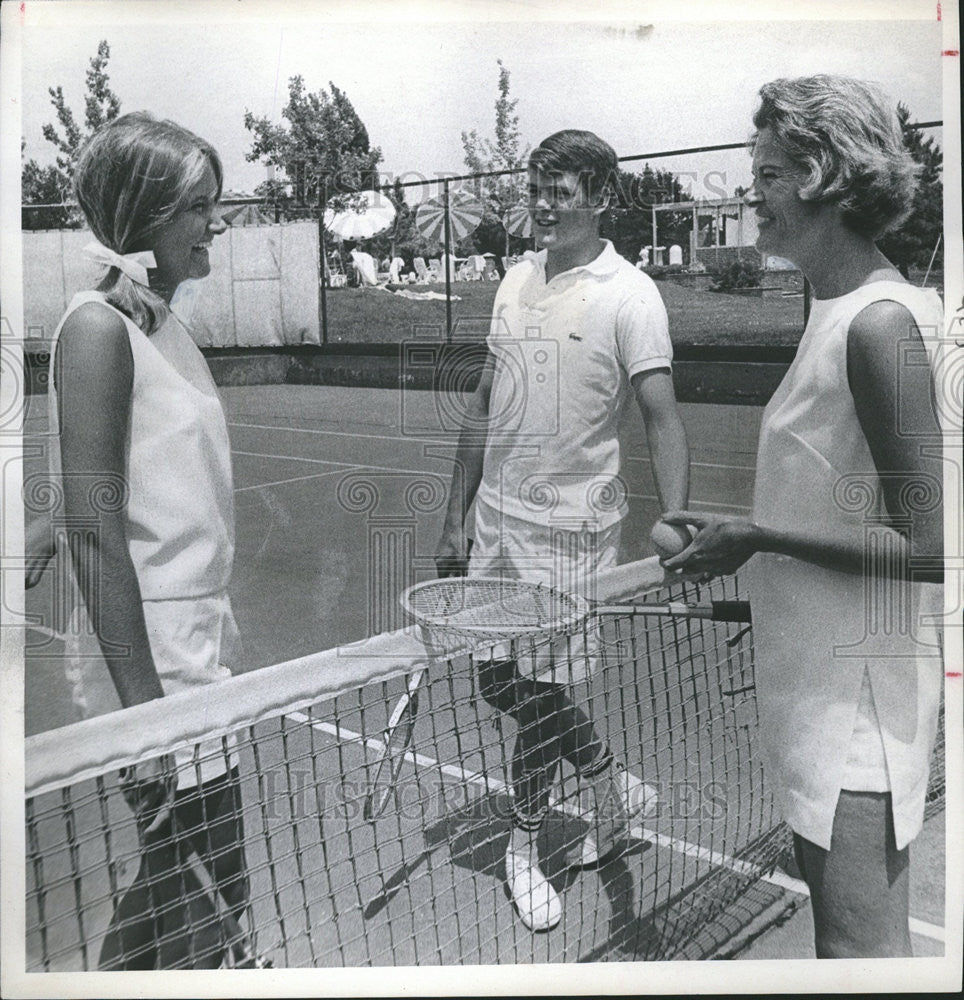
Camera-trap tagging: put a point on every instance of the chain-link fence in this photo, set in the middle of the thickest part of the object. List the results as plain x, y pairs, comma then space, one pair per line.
431, 267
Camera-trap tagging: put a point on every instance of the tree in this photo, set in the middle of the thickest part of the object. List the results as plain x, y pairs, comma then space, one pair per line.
324, 142
101, 105
483, 155
913, 244
52, 184
630, 226
44, 186
272, 192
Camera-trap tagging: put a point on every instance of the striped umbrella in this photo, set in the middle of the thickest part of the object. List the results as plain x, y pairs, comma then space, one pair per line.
365, 214
245, 215
465, 213
518, 222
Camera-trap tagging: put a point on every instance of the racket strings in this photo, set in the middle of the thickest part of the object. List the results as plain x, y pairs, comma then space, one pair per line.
480, 609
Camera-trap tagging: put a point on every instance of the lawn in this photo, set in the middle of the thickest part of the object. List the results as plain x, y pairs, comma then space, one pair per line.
696, 316
371, 315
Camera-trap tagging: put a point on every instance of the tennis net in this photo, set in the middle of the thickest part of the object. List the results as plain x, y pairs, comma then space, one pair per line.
323, 882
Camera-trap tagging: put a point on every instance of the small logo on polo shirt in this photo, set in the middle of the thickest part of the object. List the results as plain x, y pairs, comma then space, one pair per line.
573, 336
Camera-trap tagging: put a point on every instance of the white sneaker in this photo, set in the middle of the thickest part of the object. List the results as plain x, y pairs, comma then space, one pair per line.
535, 900
627, 798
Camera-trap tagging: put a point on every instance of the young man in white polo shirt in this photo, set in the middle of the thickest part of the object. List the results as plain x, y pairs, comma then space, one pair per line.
576, 330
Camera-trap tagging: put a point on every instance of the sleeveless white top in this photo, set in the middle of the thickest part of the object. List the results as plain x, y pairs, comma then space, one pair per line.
179, 522
848, 670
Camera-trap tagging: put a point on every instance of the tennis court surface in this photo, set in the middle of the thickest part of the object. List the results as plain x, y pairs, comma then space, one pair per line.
340, 496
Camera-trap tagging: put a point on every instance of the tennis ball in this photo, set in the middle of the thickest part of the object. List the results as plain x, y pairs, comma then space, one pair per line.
666, 539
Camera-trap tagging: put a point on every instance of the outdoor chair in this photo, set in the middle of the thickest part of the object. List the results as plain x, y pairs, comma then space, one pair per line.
335, 278
472, 268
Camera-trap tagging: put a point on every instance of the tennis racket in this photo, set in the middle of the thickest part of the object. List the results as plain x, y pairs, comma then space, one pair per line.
457, 614
238, 948
396, 743
399, 732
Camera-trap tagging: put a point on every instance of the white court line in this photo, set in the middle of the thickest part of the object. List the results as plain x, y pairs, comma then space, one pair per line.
351, 434
721, 860
698, 465
921, 927
297, 458
493, 785
342, 466
933, 931
295, 479
434, 440
345, 465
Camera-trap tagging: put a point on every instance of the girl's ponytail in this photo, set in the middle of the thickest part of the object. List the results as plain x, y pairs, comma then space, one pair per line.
144, 306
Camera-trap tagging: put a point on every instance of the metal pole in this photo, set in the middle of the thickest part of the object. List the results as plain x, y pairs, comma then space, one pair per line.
930, 264
445, 263
694, 238
323, 253
655, 241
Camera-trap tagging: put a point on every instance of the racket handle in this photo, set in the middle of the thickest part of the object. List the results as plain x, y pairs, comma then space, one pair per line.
731, 611
717, 611
714, 611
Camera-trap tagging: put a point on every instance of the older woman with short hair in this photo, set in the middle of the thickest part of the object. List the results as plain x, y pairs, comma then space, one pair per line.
846, 534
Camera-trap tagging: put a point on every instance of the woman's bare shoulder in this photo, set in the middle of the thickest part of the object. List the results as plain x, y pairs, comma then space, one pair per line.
94, 346
94, 319
883, 319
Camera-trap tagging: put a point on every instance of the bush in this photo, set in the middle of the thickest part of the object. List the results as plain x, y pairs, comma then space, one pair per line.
657, 271
739, 274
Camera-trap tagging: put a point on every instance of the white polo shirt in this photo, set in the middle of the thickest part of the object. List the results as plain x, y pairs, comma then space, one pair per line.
565, 351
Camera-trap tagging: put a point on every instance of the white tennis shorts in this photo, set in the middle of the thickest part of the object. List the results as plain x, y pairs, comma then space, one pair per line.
560, 557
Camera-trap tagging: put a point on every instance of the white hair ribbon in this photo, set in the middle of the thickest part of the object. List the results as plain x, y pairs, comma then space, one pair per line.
134, 265
185, 299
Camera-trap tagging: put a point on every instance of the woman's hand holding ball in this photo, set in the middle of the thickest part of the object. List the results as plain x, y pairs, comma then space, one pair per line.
716, 545
669, 539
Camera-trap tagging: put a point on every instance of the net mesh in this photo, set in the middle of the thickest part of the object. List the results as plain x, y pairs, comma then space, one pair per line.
278, 861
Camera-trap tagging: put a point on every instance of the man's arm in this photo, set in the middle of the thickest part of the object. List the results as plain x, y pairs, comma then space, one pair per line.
451, 555
666, 438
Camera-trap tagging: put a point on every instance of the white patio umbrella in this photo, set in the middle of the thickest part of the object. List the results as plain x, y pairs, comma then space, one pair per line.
366, 214
465, 214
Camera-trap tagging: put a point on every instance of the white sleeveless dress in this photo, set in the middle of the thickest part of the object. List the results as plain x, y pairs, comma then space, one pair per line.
179, 523
849, 671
